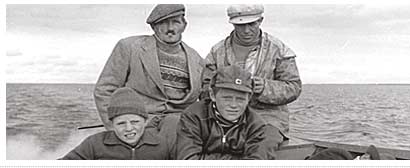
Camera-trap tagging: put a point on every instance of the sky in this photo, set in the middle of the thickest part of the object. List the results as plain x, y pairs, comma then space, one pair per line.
334, 43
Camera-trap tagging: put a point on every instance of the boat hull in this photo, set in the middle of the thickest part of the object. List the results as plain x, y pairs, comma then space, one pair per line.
311, 147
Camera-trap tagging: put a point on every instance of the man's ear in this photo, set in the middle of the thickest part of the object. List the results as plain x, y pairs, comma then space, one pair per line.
250, 97
153, 28
112, 122
146, 121
212, 95
185, 22
260, 21
184, 28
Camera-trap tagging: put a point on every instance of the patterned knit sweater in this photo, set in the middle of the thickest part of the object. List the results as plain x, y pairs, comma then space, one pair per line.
174, 70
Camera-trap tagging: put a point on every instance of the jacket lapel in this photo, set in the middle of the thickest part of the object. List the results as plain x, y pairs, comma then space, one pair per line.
230, 56
193, 68
262, 54
150, 61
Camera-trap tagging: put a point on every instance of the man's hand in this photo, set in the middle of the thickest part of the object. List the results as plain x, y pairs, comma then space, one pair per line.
258, 84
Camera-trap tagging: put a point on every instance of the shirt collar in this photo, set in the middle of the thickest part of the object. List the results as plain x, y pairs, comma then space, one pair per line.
237, 40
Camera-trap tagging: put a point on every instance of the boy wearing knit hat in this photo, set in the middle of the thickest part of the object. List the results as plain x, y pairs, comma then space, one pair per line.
223, 127
129, 140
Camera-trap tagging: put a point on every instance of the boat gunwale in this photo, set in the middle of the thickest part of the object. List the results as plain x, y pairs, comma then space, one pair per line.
354, 149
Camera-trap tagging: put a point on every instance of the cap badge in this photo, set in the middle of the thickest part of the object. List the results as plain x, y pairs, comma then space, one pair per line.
238, 81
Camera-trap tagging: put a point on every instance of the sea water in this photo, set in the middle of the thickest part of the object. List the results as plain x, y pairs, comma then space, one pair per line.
42, 119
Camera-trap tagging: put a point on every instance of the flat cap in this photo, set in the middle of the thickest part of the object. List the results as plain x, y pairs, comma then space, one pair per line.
244, 13
234, 77
164, 11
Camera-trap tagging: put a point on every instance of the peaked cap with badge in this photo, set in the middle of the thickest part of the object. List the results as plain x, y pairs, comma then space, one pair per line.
234, 77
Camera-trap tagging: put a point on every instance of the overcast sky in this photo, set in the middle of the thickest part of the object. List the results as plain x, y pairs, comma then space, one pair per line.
334, 43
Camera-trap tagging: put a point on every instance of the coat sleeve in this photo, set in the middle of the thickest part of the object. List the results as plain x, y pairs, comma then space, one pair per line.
189, 142
207, 74
84, 151
258, 146
113, 76
286, 85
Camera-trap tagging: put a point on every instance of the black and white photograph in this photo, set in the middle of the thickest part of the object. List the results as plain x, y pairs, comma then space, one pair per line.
207, 81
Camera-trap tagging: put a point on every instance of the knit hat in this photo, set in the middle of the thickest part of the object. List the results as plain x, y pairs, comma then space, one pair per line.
242, 14
125, 101
332, 154
165, 11
234, 77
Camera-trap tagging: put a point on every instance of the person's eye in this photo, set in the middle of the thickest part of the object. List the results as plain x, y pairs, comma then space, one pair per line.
227, 98
135, 122
120, 123
160, 22
241, 99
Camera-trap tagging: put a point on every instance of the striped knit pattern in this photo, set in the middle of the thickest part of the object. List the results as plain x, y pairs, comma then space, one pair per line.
174, 73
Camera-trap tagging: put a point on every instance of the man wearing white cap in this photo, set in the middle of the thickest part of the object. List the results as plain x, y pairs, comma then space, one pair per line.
276, 80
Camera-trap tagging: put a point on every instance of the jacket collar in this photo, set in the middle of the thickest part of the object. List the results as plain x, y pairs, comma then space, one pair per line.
263, 46
147, 138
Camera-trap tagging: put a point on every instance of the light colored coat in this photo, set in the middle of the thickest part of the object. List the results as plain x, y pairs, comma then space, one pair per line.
134, 63
275, 62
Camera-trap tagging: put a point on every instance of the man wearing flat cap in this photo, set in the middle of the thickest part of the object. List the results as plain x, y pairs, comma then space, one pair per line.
129, 139
276, 80
222, 127
163, 70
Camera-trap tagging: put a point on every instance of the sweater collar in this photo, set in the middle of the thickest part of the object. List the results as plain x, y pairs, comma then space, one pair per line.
237, 40
166, 47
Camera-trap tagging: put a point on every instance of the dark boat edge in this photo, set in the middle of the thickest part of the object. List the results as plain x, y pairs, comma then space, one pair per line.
309, 147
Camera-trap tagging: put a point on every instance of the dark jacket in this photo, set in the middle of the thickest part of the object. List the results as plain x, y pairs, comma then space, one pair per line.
106, 146
134, 63
275, 62
199, 136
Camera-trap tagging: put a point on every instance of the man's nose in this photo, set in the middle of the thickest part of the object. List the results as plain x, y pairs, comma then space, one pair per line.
171, 26
234, 103
246, 28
